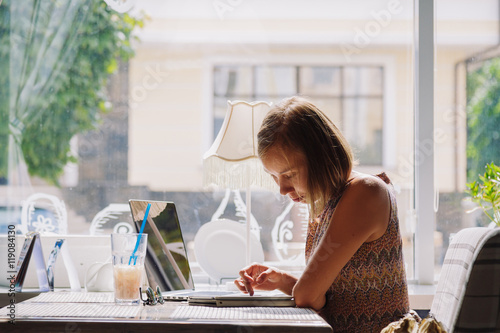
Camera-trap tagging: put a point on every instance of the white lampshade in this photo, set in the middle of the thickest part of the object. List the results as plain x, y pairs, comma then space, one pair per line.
232, 161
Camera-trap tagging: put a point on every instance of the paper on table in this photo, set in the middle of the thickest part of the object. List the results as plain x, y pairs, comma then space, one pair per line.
74, 281
244, 313
95, 310
73, 297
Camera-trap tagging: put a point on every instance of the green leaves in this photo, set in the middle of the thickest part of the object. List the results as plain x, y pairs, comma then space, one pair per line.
486, 192
75, 97
483, 117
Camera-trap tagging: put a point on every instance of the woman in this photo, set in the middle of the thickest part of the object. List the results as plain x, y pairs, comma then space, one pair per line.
355, 275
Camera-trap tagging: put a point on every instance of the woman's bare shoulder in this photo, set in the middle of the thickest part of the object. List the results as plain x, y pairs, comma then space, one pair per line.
369, 184
369, 193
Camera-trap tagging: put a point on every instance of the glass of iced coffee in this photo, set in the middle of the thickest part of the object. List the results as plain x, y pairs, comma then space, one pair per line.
129, 251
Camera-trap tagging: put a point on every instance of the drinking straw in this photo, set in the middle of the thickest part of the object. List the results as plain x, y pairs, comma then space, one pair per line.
140, 234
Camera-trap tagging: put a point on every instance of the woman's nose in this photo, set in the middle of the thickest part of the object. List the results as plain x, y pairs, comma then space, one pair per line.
285, 187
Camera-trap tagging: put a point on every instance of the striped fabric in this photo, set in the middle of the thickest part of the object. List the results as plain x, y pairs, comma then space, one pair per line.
468, 293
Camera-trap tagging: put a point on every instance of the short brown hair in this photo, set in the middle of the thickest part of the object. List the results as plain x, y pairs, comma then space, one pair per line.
297, 124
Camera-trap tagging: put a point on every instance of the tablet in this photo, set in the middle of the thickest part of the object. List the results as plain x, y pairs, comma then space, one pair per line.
243, 301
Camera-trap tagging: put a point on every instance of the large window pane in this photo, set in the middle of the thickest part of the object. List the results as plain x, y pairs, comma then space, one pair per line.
466, 111
153, 113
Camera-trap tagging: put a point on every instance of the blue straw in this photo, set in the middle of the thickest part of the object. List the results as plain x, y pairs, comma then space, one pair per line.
140, 234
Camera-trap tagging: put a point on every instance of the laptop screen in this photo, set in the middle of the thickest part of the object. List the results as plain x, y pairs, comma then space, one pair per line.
167, 263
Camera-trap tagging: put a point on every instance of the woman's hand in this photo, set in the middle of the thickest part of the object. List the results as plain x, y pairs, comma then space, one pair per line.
261, 277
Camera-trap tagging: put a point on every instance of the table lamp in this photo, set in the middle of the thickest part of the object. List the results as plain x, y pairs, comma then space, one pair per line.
232, 160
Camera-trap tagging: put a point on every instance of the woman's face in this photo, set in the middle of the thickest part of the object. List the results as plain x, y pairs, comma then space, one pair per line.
289, 170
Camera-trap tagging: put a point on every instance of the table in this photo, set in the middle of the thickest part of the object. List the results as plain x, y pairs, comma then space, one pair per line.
37, 315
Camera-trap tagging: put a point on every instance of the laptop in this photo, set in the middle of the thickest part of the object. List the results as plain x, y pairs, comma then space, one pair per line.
167, 264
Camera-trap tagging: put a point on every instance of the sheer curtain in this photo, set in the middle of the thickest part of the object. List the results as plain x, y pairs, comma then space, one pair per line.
42, 38
39, 50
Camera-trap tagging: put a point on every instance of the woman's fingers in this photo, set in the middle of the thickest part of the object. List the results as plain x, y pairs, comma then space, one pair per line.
239, 284
252, 275
246, 280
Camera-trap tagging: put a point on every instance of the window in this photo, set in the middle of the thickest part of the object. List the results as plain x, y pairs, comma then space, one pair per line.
351, 96
136, 124
465, 125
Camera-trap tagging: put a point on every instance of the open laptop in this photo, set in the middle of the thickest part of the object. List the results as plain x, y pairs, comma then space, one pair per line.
167, 264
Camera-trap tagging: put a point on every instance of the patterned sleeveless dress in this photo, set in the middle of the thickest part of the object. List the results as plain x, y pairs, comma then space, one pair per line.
370, 291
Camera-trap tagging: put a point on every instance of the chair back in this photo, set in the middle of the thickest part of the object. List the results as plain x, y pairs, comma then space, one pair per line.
44, 213
468, 292
115, 217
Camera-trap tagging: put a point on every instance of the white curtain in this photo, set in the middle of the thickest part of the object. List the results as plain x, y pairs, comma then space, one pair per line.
42, 38
42, 44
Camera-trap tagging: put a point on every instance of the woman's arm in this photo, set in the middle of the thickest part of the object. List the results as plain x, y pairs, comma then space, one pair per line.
362, 215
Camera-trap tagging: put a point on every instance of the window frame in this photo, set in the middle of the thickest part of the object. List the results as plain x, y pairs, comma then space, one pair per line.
425, 194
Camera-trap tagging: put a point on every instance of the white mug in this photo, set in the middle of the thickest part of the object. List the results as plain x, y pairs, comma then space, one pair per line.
99, 277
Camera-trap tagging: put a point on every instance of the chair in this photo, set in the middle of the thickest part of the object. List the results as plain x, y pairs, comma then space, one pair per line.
44, 213
113, 218
468, 292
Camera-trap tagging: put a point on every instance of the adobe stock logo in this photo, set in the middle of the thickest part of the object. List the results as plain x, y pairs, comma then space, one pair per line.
120, 6
372, 29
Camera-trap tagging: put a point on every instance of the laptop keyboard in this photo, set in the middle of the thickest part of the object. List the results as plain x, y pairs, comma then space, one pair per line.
244, 313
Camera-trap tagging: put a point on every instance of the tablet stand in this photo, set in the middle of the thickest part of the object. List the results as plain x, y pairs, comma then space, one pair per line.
32, 247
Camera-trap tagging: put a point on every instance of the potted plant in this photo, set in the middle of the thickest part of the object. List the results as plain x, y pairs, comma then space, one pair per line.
486, 193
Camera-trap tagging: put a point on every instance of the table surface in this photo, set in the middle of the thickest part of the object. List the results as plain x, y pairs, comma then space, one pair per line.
37, 316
